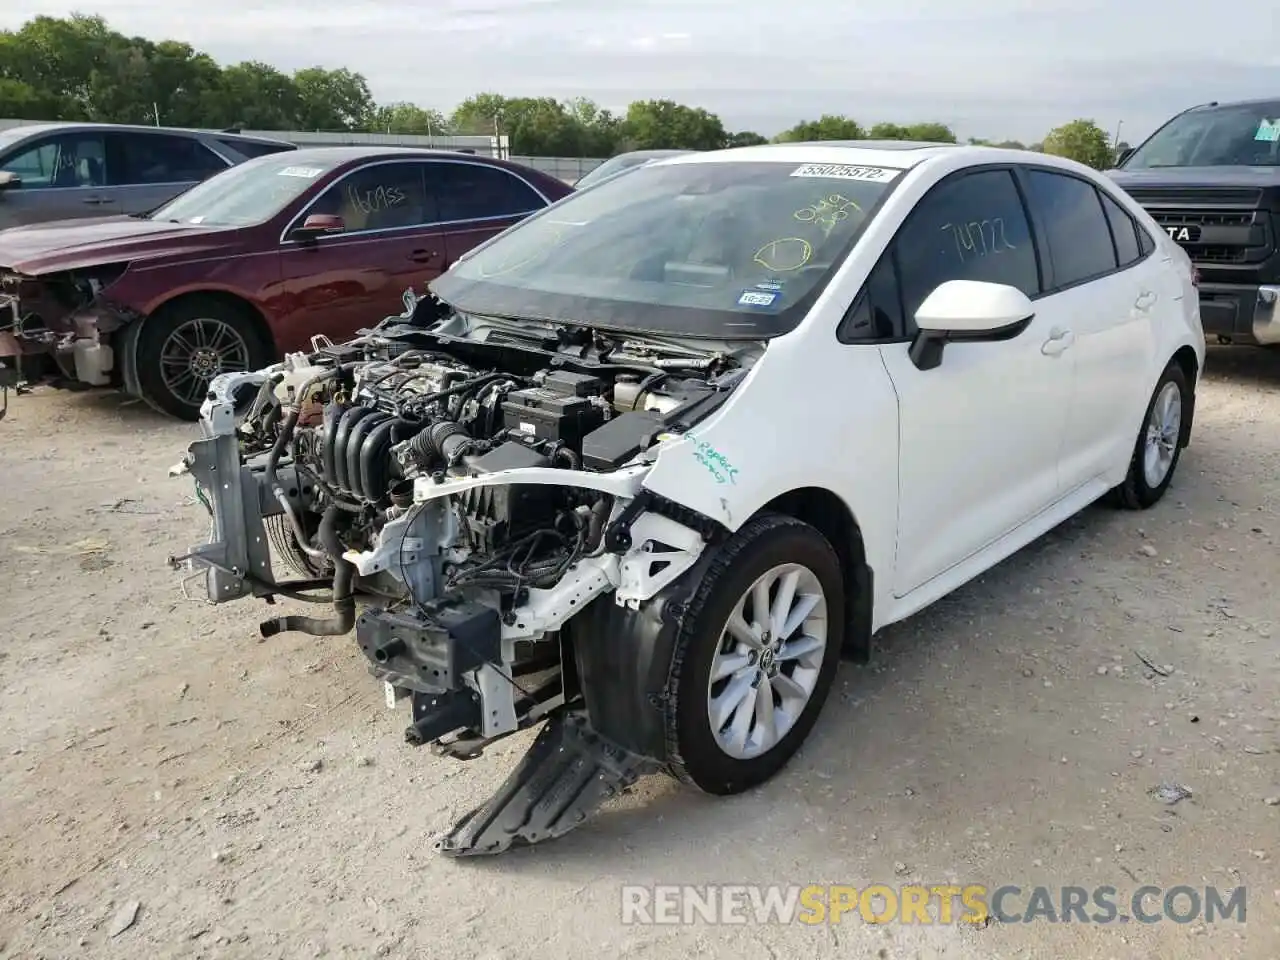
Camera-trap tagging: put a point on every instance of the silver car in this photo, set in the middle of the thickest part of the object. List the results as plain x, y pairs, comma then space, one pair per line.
624, 162
57, 171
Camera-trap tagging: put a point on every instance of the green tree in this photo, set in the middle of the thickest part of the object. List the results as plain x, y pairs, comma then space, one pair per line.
479, 115
930, 133
56, 58
332, 99
408, 118
1003, 144
121, 88
746, 138
21, 101
601, 131
1083, 141
925, 132
253, 95
667, 125
827, 127
888, 131
182, 80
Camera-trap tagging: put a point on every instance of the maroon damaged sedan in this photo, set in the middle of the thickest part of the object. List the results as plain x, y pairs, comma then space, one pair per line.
250, 264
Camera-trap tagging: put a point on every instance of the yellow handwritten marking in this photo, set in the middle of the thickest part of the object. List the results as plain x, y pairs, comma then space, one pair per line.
828, 211
784, 254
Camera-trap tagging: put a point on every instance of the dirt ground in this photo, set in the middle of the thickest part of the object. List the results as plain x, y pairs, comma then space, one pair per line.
256, 800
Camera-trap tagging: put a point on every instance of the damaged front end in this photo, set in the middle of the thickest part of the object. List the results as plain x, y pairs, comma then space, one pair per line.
60, 328
471, 502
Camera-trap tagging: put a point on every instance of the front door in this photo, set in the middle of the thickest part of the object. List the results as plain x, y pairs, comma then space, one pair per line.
979, 434
354, 278
62, 177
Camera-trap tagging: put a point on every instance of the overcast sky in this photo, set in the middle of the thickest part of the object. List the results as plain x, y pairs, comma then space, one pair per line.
989, 68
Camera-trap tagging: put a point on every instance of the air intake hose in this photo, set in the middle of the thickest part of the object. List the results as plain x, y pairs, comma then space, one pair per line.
443, 440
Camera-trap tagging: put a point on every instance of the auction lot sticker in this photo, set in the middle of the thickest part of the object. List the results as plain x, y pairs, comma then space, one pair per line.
846, 171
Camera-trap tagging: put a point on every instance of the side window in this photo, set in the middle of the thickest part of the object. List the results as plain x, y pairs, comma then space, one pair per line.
381, 196
1071, 212
472, 191
972, 227
148, 158
877, 312
1145, 243
69, 160
1124, 229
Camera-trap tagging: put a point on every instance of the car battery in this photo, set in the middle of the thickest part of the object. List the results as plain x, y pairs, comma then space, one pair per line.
551, 413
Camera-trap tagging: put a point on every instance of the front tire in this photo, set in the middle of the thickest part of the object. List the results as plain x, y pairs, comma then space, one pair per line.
1159, 444
184, 346
755, 657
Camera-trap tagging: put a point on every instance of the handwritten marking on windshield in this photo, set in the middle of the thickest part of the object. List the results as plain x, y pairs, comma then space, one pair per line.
716, 463
972, 237
376, 199
828, 211
784, 254
308, 173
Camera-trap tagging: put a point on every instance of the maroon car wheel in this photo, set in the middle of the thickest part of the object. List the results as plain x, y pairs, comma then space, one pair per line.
183, 347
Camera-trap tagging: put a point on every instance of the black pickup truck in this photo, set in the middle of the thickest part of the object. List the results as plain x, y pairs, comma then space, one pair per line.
1211, 178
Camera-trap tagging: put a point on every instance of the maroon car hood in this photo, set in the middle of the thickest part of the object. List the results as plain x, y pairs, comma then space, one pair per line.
76, 244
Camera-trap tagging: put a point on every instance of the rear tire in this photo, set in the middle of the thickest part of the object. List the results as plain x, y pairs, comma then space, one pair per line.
769, 684
1159, 445
183, 346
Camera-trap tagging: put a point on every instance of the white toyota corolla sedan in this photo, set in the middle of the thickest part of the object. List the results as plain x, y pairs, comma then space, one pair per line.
682, 438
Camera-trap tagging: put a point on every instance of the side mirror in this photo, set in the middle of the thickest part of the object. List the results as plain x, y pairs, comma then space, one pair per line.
967, 311
317, 225
9, 180
1124, 155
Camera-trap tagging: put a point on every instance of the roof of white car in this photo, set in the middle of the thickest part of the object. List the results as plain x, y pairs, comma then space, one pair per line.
899, 154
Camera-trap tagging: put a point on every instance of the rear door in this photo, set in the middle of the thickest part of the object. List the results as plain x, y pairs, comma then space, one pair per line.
148, 169
391, 241
478, 201
63, 176
1095, 283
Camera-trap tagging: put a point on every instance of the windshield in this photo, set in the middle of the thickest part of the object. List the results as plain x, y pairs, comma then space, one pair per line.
250, 193
717, 250
1244, 135
622, 162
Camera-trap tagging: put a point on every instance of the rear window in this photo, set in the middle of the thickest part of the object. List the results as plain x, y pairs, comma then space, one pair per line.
250, 148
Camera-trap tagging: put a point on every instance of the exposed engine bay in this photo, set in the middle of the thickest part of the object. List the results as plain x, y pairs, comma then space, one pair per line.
457, 489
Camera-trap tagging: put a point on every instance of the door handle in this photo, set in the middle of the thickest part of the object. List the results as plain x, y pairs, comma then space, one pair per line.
424, 256
97, 200
1145, 300
1058, 342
